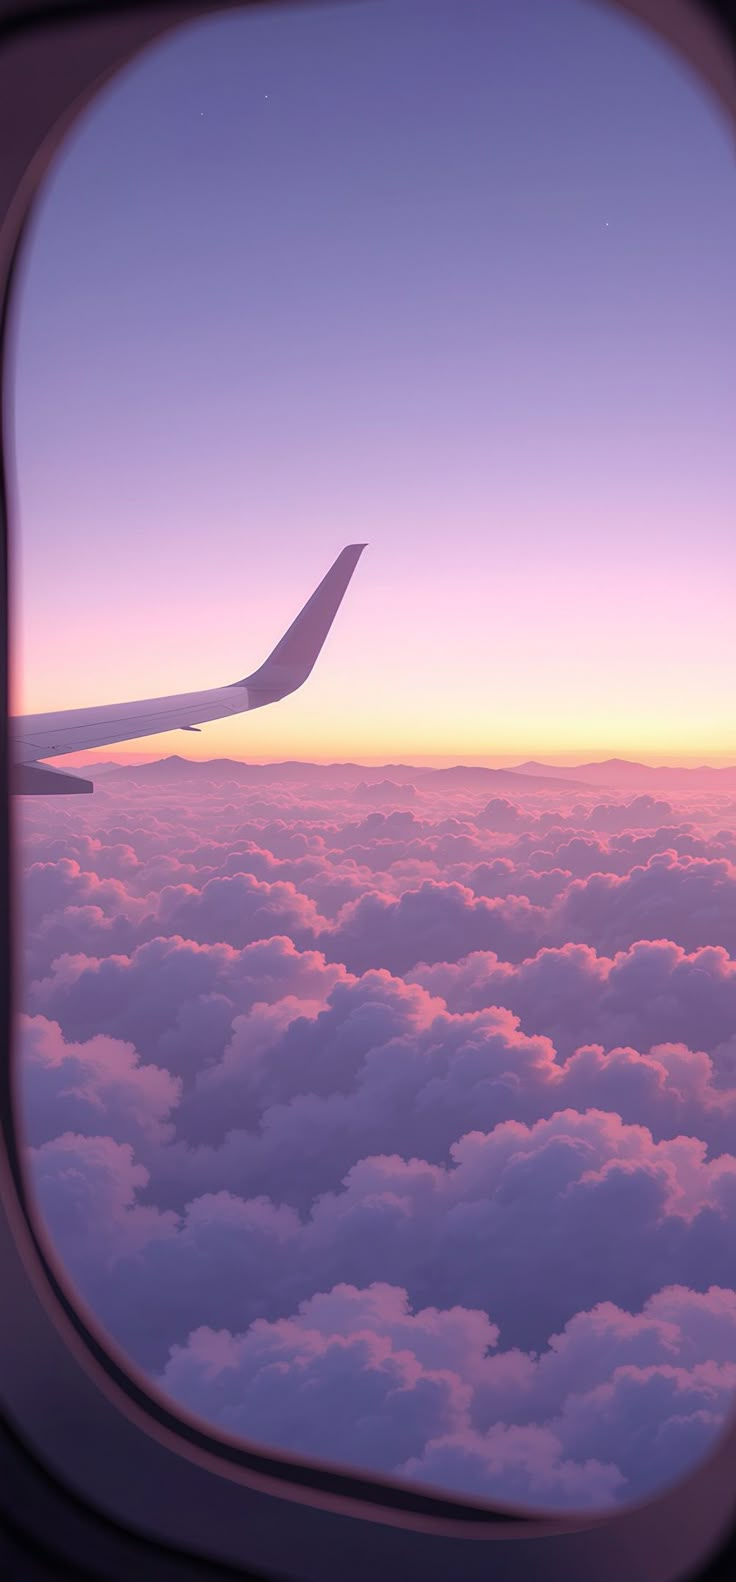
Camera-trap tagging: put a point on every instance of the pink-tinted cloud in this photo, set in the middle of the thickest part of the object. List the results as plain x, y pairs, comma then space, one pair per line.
424, 1114
100, 1084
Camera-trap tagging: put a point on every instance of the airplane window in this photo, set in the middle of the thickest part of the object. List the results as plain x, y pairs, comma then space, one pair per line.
377, 1040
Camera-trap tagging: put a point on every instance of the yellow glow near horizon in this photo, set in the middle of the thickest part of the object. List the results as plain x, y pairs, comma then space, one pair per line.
264, 738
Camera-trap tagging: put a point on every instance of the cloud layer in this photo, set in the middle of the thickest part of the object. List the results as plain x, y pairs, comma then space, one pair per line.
400, 1137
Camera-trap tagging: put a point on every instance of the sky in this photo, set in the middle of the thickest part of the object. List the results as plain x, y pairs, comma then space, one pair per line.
450, 278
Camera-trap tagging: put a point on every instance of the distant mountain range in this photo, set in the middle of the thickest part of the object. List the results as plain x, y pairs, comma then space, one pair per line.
621, 773
462, 776
170, 771
613, 774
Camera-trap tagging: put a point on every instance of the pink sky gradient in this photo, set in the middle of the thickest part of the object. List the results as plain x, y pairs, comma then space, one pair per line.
504, 361
643, 670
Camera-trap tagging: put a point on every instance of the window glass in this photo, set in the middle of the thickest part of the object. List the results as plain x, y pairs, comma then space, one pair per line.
378, 1047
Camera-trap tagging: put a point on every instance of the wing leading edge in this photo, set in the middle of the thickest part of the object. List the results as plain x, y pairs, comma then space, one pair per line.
40, 736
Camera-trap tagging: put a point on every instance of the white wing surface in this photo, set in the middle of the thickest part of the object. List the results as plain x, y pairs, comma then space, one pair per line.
38, 736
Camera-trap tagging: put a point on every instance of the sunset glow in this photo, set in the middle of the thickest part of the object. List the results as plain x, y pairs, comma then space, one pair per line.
496, 345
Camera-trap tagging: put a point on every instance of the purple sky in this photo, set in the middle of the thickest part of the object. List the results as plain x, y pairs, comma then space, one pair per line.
453, 278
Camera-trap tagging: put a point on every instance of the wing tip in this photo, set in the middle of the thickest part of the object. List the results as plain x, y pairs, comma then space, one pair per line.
294, 656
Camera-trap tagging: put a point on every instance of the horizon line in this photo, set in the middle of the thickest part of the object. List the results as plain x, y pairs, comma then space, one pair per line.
421, 760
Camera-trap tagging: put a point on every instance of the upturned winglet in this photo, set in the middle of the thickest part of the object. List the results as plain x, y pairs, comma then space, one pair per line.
293, 658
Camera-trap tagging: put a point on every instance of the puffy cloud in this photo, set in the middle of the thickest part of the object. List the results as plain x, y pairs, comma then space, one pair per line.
500, 814
380, 1065
615, 1403
83, 1087
65, 908
85, 1188
341, 1378
385, 791
654, 992
437, 922
521, 1466
533, 1223
151, 1275
500, 877
171, 992
50, 887
238, 911
529, 1224
691, 901
641, 813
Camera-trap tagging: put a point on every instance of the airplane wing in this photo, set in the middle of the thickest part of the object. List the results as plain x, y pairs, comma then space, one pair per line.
39, 736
